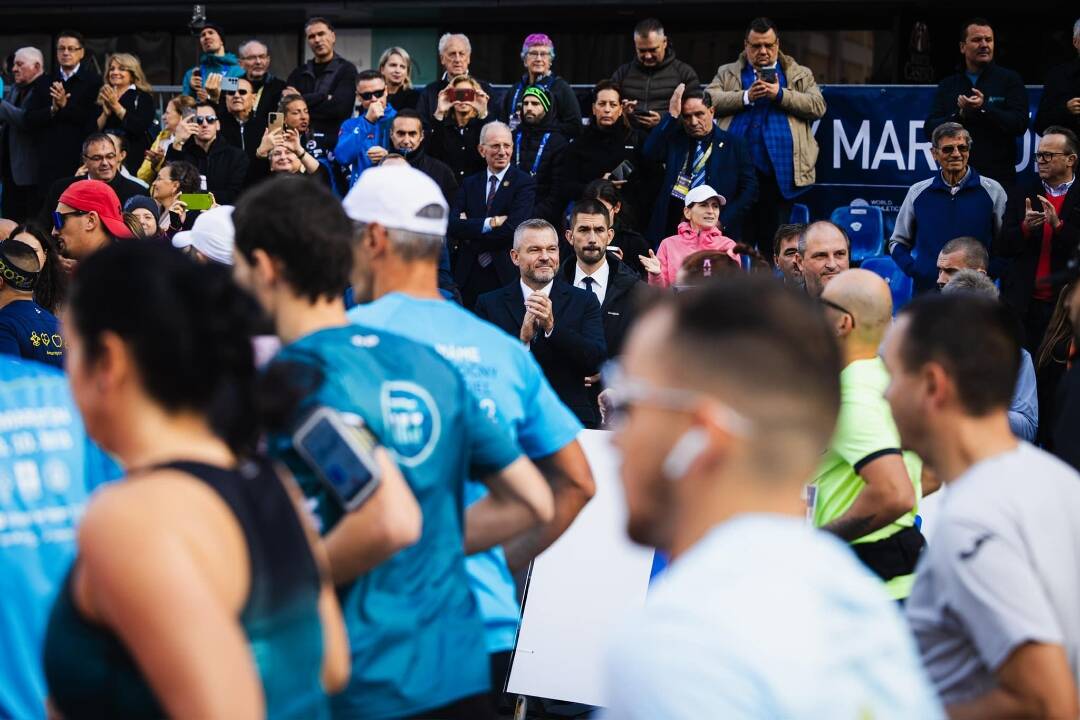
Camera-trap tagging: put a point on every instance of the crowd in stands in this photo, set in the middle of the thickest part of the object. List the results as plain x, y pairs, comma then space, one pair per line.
329, 342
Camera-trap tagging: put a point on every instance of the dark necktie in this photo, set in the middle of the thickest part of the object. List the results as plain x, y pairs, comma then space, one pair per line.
590, 285
493, 186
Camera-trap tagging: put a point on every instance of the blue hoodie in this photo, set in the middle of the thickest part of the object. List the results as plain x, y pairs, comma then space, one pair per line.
227, 65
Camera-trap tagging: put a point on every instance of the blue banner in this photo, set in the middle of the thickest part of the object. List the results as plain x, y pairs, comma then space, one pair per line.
873, 147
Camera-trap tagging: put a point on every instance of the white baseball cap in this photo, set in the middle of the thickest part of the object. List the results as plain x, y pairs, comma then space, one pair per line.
399, 197
212, 235
702, 193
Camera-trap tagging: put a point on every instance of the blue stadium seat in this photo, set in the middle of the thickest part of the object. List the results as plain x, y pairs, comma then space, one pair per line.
899, 284
865, 226
799, 214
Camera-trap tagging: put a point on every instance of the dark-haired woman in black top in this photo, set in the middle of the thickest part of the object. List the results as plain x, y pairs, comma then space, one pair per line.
198, 591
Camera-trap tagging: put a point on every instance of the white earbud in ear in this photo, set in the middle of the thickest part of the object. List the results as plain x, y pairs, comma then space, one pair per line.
685, 453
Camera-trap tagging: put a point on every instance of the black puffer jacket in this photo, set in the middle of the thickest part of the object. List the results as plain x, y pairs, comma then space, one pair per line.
652, 87
224, 167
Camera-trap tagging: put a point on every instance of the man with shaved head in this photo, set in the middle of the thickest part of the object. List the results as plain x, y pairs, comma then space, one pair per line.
824, 253
867, 490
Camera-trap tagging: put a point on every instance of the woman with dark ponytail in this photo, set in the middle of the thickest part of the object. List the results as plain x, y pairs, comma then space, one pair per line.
51, 287
199, 590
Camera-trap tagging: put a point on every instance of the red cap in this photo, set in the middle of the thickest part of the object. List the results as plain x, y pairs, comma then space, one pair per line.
96, 196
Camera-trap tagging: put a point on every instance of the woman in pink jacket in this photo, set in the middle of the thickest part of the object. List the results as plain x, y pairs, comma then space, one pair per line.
701, 231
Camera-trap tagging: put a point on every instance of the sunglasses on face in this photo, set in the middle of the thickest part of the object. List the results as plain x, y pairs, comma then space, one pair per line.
205, 119
950, 149
371, 94
60, 218
241, 93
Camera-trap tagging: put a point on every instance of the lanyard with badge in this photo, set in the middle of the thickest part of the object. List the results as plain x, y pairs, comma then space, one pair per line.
539, 153
682, 182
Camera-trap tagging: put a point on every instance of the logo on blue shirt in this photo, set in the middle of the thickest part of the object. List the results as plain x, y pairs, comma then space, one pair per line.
412, 417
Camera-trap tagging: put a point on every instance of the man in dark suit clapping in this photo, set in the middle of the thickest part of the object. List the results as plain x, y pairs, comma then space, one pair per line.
558, 322
488, 207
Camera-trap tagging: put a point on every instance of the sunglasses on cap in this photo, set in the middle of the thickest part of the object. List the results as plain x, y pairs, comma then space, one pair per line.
372, 94
59, 218
205, 119
236, 92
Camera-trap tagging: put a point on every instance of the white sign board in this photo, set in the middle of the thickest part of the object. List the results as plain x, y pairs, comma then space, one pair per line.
579, 589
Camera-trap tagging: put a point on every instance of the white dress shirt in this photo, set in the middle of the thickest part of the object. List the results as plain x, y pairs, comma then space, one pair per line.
487, 187
526, 291
600, 277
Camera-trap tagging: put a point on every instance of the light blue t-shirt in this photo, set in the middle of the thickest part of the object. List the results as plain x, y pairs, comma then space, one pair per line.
506, 380
415, 630
767, 618
48, 469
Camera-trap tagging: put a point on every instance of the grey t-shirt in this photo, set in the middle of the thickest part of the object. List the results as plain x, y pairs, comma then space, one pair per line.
1003, 570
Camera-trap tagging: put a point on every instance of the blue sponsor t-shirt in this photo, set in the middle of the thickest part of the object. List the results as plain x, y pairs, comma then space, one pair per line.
415, 630
30, 331
48, 468
506, 379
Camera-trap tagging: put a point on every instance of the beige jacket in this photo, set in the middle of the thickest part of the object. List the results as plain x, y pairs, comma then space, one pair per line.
802, 101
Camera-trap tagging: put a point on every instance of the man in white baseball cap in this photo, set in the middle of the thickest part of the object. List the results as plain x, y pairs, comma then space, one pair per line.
395, 276
407, 204
210, 239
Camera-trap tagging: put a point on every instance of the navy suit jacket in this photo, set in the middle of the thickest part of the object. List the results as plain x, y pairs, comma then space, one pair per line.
514, 198
730, 172
575, 349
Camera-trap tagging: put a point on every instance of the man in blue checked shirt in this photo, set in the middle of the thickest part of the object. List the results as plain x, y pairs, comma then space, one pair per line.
771, 101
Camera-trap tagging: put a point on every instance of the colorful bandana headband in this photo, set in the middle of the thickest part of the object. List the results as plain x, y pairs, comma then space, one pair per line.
539, 94
24, 280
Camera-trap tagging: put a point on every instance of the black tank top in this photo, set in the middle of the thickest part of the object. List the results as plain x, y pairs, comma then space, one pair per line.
92, 675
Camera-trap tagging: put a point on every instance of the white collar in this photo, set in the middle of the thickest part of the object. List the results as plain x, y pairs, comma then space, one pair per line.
526, 291
68, 75
600, 275
499, 175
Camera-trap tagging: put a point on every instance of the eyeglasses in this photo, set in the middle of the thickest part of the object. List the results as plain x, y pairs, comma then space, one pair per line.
1047, 156
838, 308
371, 94
205, 119
67, 48
538, 54
624, 392
950, 149
241, 93
264, 56
99, 158
59, 218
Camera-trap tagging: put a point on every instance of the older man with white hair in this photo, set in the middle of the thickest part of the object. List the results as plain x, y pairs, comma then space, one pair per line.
488, 207
455, 54
955, 202
23, 114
